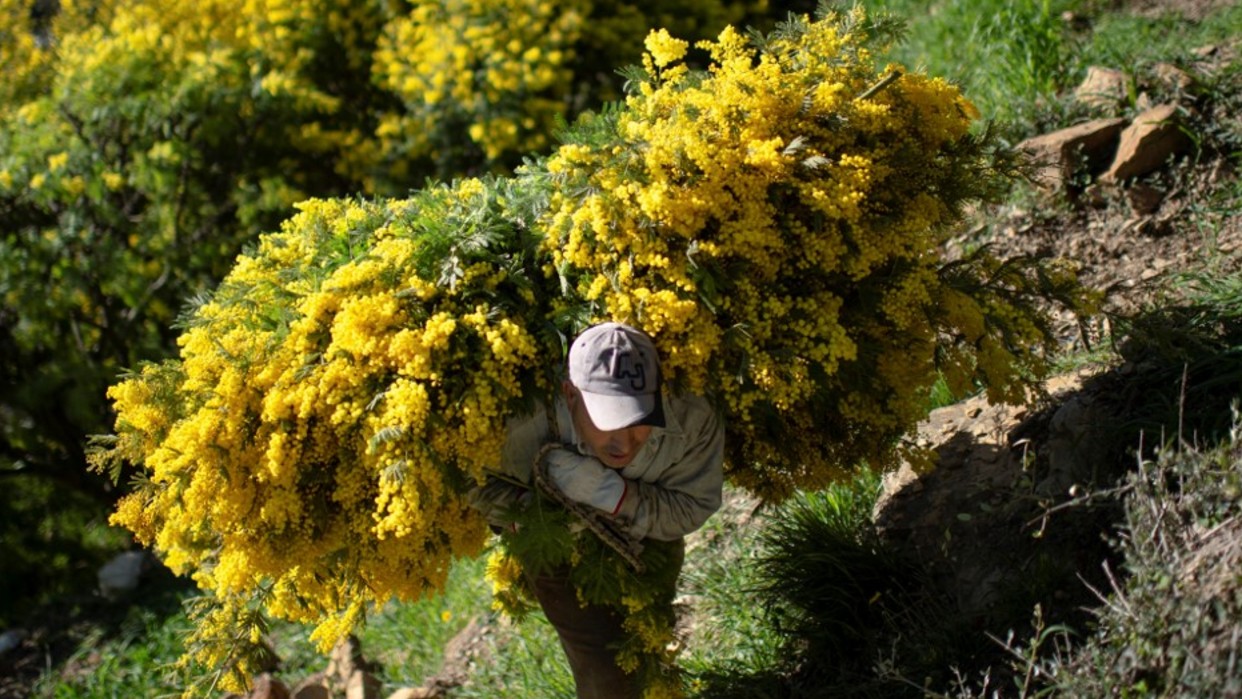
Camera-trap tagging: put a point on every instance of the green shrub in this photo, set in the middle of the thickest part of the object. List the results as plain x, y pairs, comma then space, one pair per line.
1167, 624
854, 619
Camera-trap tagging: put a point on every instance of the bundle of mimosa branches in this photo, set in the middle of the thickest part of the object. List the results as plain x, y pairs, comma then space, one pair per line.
774, 222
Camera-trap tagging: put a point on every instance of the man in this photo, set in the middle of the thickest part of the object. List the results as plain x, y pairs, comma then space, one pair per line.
650, 462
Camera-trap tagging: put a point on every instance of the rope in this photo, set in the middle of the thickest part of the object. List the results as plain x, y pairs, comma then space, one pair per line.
607, 530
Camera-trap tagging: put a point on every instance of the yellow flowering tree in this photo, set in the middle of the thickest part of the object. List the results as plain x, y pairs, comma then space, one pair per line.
481, 81
141, 144
484, 83
774, 221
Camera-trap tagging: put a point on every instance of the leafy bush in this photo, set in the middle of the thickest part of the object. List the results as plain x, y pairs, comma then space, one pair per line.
1170, 629
152, 142
37, 518
481, 84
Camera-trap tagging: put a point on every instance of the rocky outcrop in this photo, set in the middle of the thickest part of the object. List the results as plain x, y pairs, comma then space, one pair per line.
975, 521
1059, 154
1113, 151
1103, 87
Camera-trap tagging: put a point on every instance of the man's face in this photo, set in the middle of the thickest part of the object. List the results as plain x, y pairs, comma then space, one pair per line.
614, 448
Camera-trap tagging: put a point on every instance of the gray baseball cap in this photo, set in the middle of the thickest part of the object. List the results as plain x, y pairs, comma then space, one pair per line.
617, 371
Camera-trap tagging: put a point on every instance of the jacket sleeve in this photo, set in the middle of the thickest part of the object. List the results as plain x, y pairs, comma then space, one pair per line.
494, 498
499, 492
687, 493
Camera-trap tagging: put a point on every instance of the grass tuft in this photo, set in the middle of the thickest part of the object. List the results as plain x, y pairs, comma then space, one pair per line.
851, 618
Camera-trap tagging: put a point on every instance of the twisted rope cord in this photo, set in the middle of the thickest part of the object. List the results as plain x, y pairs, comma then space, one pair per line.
608, 532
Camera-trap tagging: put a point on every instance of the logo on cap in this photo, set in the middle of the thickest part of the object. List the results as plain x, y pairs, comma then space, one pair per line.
623, 367
616, 370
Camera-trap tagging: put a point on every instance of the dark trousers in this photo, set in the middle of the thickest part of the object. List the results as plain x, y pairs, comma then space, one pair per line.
590, 635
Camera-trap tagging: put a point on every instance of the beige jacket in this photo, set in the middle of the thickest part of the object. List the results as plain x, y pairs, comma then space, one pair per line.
672, 486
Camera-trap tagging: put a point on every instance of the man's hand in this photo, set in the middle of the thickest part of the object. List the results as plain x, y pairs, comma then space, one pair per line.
585, 480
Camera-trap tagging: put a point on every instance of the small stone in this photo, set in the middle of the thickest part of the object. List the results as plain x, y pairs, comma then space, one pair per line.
268, 687
1096, 196
1144, 199
1076, 21
1173, 77
11, 639
120, 575
1059, 154
1103, 87
312, 687
1147, 144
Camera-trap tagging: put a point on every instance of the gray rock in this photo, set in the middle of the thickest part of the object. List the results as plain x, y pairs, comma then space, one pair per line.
11, 639
958, 520
121, 575
1073, 445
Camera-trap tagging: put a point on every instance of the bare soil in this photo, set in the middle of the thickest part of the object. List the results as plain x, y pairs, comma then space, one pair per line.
993, 517
1192, 10
1128, 255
